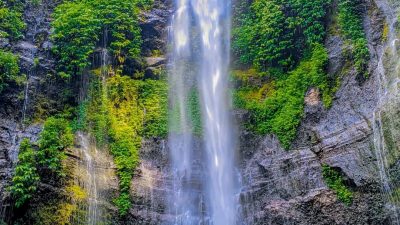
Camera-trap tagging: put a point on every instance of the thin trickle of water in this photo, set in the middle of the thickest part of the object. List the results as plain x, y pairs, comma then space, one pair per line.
204, 184
89, 183
386, 117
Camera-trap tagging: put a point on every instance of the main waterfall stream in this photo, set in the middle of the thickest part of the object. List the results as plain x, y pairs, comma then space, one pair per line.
204, 171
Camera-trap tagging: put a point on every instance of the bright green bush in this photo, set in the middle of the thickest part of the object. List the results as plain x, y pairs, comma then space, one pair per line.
26, 177
335, 182
281, 109
55, 138
11, 24
351, 24
275, 33
9, 68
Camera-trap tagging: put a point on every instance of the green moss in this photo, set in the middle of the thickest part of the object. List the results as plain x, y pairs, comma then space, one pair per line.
26, 177
335, 182
385, 33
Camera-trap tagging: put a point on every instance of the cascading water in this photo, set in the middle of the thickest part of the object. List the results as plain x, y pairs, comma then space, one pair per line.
387, 117
200, 39
89, 183
213, 16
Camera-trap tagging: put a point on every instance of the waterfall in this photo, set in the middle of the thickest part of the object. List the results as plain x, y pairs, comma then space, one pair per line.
386, 117
204, 180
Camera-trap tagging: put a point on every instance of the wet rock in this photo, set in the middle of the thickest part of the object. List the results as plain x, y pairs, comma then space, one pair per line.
155, 61
154, 27
334, 45
4, 43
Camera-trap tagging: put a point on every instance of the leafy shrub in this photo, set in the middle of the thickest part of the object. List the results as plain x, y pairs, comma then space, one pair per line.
76, 32
26, 177
11, 24
9, 68
54, 139
335, 182
351, 24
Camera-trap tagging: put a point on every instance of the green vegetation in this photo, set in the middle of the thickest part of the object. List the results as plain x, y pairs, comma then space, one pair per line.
9, 68
277, 107
351, 24
80, 26
195, 112
275, 33
335, 182
76, 30
62, 209
120, 111
280, 44
55, 138
153, 95
26, 177
11, 24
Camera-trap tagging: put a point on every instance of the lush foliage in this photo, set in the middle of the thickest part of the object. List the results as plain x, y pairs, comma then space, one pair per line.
277, 107
80, 26
120, 112
9, 68
11, 24
351, 24
275, 33
26, 177
335, 182
55, 138
76, 30
61, 210
153, 95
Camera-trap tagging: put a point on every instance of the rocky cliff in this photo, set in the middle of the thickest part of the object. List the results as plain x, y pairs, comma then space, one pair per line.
278, 186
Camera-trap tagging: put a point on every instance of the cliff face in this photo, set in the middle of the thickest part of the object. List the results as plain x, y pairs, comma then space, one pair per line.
15, 105
287, 186
278, 186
